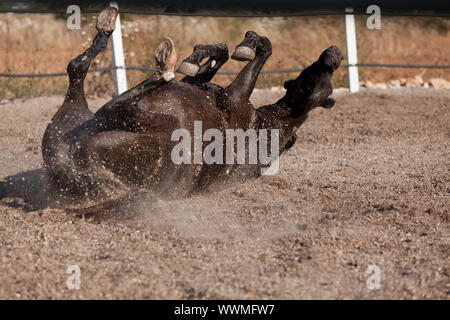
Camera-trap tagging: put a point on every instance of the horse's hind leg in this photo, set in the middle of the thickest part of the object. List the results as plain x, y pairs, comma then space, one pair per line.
74, 110
122, 107
196, 73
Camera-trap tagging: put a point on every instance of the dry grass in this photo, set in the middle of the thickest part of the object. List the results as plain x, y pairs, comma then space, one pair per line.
43, 44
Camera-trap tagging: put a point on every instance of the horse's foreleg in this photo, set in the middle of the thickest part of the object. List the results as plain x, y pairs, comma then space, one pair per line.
198, 74
235, 98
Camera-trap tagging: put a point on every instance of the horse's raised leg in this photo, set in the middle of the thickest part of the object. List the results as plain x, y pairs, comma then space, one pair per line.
198, 74
74, 110
122, 107
236, 96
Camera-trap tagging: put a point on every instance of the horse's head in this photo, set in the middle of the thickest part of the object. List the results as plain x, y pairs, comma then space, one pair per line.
312, 87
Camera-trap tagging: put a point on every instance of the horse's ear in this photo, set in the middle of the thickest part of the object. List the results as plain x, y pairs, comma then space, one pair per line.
289, 84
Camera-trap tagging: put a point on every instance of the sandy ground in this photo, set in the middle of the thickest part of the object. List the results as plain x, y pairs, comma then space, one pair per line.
367, 184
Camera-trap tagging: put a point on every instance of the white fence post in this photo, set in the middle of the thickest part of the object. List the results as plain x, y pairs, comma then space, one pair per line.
352, 58
118, 61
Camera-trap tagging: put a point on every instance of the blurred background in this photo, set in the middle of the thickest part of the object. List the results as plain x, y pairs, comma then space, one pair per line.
42, 43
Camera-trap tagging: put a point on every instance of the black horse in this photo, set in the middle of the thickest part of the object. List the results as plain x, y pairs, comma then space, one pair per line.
127, 144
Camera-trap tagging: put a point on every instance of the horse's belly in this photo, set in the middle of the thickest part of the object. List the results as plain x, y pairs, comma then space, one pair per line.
187, 104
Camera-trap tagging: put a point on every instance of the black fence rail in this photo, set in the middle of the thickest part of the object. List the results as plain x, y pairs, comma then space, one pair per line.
227, 73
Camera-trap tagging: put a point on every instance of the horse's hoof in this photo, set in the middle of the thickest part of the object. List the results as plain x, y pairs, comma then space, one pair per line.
191, 65
243, 53
246, 50
106, 20
189, 69
166, 58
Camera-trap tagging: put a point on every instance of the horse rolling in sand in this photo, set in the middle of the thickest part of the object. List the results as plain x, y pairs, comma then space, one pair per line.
127, 145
